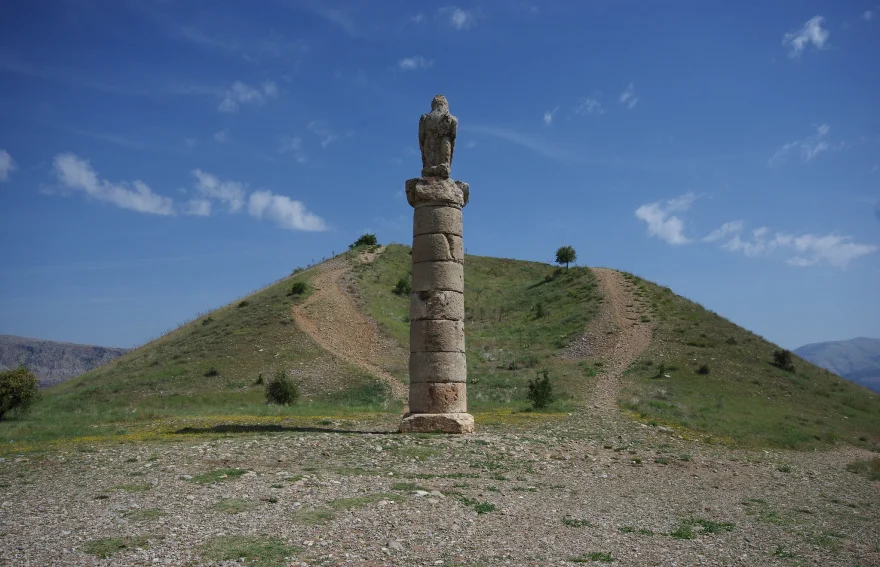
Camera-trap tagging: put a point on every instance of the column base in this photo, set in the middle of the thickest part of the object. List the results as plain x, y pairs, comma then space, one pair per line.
437, 423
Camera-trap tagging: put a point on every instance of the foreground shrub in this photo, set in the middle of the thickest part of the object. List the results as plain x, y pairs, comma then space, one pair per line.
540, 390
18, 389
281, 390
364, 240
298, 288
782, 359
403, 287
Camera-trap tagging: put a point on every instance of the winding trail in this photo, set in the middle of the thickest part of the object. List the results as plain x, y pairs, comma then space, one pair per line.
616, 337
332, 319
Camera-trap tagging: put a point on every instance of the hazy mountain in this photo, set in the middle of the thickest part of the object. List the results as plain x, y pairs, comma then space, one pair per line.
52, 361
856, 359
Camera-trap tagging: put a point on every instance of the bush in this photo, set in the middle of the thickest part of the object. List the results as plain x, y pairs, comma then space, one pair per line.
782, 359
540, 312
403, 287
298, 288
703, 369
212, 372
281, 390
244, 303
364, 240
541, 390
19, 388
565, 255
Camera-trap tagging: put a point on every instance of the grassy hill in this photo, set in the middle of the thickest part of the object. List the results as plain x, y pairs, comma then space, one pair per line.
520, 317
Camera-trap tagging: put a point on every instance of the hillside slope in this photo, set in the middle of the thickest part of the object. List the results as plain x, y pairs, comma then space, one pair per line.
53, 361
857, 359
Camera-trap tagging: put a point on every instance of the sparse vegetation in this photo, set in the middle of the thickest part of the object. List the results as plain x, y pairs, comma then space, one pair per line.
576, 522
870, 468
364, 240
691, 527
479, 507
233, 505
257, 551
144, 514
282, 390
108, 546
218, 475
19, 388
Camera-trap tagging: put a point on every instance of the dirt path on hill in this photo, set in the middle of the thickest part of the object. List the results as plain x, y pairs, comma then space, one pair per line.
332, 319
616, 337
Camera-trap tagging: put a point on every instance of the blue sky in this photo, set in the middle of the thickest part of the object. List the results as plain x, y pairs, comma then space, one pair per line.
159, 159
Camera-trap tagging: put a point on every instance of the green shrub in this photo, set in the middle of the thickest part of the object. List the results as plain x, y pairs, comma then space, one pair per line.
782, 359
403, 287
703, 369
282, 390
540, 312
565, 255
244, 303
298, 288
19, 388
364, 240
212, 372
541, 390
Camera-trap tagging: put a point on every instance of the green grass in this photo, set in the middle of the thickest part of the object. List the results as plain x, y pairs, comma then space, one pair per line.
595, 556
257, 551
108, 546
744, 400
165, 378
233, 505
870, 468
312, 517
359, 501
218, 475
506, 343
479, 507
576, 522
689, 528
142, 487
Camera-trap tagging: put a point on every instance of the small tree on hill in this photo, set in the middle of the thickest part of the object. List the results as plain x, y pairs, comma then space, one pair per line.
541, 391
403, 287
281, 389
18, 389
565, 255
783, 360
364, 240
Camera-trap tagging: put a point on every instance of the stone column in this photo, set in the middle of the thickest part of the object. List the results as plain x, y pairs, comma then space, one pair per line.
437, 364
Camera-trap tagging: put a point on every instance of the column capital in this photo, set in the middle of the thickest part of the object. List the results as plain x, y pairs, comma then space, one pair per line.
437, 191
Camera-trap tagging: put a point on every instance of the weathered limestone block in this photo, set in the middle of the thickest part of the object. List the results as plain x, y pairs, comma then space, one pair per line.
437, 248
433, 276
437, 367
437, 423
436, 336
437, 131
437, 191
437, 220
436, 305
450, 397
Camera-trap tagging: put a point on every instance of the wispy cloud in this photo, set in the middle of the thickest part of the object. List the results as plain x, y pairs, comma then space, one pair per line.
417, 19
725, 230
323, 132
458, 18
338, 17
65, 75
662, 223
240, 93
807, 249
868, 15
222, 136
812, 33
414, 63
271, 45
628, 97
591, 106
197, 208
232, 193
7, 165
76, 173
530, 142
548, 116
293, 145
808, 148
284, 211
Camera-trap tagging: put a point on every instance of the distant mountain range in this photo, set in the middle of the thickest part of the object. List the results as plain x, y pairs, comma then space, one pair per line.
51, 361
857, 360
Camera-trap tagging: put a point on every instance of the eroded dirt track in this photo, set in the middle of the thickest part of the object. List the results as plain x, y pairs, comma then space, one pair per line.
330, 316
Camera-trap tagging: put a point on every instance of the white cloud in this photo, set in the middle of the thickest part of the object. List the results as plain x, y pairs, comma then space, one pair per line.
284, 211
198, 208
321, 130
240, 93
726, 229
593, 106
809, 147
812, 33
76, 173
231, 193
808, 249
222, 136
661, 223
413, 63
470, 144
548, 116
868, 15
628, 96
418, 18
7, 165
458, 18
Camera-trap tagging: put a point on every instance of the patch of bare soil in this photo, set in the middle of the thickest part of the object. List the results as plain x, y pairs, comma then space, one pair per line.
330, 316
616, 337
